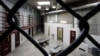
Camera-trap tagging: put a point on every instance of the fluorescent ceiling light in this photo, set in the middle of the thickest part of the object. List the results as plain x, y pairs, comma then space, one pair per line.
53, 7
47, 8
43, 3
39, 7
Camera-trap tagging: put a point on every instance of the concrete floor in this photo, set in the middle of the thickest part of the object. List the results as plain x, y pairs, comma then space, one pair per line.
28, 49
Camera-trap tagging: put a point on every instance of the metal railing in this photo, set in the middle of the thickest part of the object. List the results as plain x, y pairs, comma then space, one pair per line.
83, 25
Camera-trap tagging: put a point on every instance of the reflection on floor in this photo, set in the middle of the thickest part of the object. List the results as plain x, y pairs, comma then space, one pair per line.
28, 49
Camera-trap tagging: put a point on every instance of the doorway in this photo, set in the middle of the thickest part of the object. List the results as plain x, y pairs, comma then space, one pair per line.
17, 39
60, 34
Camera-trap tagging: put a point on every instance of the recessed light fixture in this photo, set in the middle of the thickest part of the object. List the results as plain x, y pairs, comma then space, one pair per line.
47, 9
39, 7
53, 7
43, 2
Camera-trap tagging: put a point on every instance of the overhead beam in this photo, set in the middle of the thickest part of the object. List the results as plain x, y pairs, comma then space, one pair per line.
81, 2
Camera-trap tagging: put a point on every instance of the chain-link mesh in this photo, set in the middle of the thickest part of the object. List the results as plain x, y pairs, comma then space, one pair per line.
83, 25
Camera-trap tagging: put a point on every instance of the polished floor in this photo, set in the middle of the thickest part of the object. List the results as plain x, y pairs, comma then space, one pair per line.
28, 49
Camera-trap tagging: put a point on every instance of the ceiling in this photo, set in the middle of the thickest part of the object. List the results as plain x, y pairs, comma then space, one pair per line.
53, 2
71, 3
34, 4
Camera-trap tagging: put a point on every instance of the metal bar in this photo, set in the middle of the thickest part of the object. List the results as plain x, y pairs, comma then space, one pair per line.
83, 25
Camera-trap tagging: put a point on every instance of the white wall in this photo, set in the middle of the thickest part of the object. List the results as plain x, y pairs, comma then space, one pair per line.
65, 17
52, 18
57, 18
53, 30
93, 21
21, 38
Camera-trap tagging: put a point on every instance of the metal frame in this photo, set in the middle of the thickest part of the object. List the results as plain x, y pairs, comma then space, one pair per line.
83, 25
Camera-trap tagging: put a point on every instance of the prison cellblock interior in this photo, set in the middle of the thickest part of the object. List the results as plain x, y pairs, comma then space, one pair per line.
15, 38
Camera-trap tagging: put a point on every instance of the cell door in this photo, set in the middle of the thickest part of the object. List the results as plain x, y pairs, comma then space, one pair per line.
72, 36
5, 46
17, 39
8, 44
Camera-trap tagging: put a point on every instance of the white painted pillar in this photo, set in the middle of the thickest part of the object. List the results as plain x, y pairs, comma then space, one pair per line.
56, 18
12, 42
